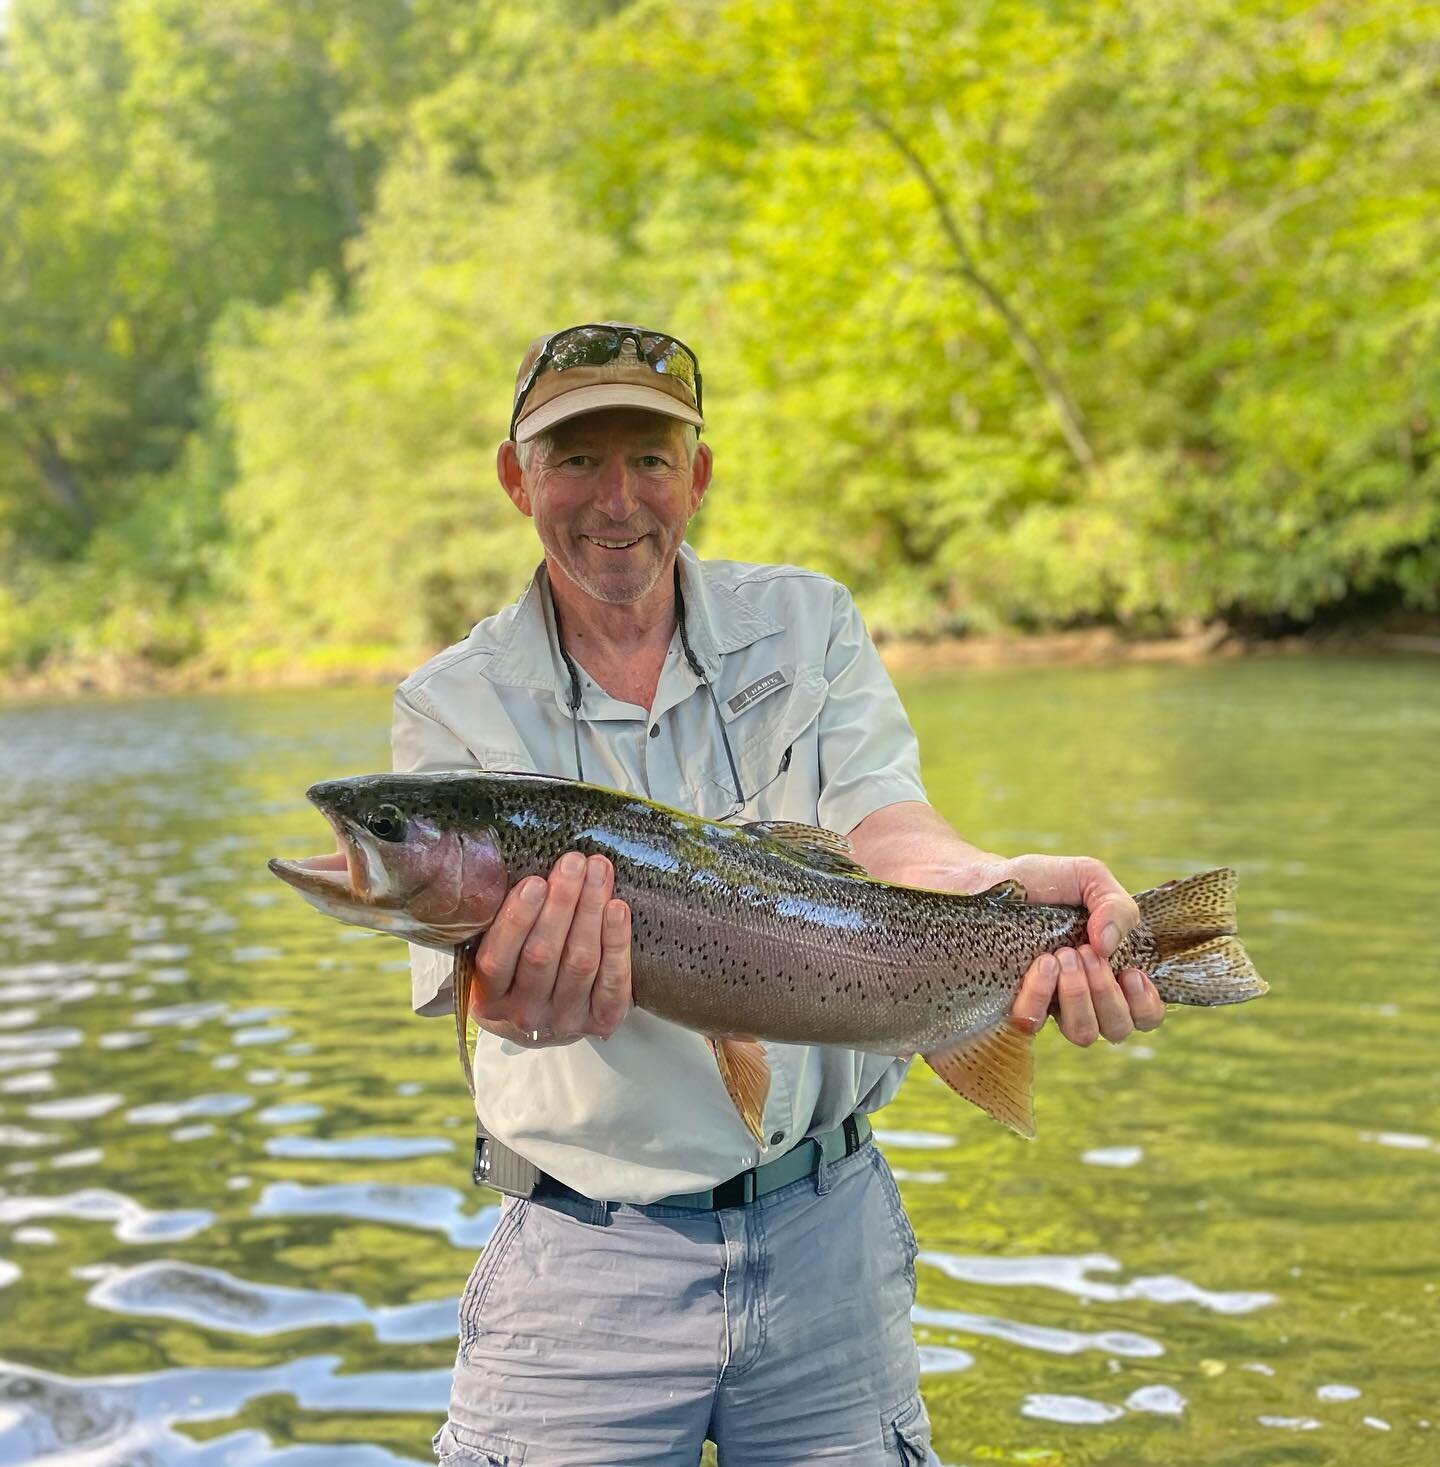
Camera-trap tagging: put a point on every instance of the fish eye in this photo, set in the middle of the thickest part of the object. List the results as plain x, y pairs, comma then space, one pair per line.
385, 822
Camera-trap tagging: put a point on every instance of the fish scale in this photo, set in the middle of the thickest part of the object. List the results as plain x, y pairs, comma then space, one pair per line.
768, 931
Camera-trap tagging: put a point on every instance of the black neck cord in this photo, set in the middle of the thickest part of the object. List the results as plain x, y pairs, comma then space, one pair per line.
695, 665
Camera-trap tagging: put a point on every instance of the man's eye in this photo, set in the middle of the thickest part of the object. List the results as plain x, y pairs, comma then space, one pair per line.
652, 461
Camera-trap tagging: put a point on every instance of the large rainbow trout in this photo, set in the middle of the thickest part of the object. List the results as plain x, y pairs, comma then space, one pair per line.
752, 932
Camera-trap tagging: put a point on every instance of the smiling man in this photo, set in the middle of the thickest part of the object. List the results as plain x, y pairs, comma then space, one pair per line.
656, 1277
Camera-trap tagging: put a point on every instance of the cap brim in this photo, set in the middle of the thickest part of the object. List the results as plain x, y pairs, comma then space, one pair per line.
582, 400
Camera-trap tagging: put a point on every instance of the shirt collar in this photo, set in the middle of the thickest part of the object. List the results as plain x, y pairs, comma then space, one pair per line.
717, 621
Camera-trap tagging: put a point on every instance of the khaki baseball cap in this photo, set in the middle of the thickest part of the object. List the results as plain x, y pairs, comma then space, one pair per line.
627, 380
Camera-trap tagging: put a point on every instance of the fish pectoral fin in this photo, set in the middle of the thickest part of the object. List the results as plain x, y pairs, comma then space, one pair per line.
822, 849
1004, 891
462, 982
746, 1075
994, 1070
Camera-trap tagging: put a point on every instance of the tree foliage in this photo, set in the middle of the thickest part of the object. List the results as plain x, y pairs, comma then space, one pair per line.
1009, 314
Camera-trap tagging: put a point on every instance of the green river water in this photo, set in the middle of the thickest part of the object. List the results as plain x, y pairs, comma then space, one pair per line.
235, 1212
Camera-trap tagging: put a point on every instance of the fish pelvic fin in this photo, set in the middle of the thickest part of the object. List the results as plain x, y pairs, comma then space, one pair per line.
462, 981
994, 1070
1193, 925
746, 1074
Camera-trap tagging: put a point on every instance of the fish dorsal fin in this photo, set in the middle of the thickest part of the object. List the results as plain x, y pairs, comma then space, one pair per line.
746, 1073
1004, 891
822, 849
993, 1070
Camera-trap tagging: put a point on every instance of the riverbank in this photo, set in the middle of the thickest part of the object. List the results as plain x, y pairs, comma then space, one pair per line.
116, 676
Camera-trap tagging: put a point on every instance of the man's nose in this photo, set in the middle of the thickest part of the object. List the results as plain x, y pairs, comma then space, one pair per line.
615, 493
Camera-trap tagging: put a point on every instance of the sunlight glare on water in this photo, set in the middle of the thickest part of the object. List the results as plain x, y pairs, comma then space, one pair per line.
235, 1210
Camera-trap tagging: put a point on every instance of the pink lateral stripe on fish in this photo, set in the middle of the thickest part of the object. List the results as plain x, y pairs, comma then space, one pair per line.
768, 931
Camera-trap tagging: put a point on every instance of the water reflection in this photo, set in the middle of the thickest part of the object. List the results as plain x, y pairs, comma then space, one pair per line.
1222, 1248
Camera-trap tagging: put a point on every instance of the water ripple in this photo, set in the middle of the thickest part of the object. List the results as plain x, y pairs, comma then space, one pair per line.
133, 1223
1040, 1337
1067, 1274
120, 1420
436, 1209
358, 1148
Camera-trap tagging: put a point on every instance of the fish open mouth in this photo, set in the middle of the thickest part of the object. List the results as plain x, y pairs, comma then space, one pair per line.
324, 876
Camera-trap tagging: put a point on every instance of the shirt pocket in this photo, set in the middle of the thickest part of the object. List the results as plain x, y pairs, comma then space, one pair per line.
769, 738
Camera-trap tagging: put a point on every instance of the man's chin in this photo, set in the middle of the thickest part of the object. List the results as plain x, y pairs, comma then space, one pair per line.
617, 585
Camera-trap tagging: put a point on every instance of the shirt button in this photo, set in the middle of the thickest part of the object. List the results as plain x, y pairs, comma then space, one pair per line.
655, 731
777, 1137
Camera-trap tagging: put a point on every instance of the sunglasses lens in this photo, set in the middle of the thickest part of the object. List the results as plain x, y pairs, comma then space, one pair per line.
668, 356
588, 346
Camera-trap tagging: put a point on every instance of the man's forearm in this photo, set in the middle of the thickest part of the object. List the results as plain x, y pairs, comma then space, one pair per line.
911, 843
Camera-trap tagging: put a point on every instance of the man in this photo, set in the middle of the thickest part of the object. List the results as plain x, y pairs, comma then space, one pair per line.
659, 1277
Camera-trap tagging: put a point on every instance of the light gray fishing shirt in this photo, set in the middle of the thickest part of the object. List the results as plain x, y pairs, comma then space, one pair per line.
819, 736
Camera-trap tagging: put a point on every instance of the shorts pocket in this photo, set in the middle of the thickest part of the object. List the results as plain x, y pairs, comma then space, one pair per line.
487, 1269
459, 1446
907, 1433
904, 1233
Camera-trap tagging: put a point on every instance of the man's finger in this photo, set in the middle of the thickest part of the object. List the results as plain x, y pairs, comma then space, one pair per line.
1147, 1008
499, 949
610, 997
540, 953
1077, 1012
1037, 989
581, 958
1113, 913
1112, 1012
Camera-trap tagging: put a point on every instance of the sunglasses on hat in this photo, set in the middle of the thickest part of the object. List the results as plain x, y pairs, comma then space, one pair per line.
597, 345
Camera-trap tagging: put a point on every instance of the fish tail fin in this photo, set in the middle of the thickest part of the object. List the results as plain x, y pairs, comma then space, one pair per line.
994, 1070
1193, 925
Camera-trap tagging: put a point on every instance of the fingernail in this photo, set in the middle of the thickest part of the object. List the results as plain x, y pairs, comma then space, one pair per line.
1068, 959
594, 871
572, 865
532, 893
614, 915
1132, 983
1049, 966
1109, 940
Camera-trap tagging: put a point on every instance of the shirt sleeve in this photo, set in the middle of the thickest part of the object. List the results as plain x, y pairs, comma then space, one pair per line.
869, 757
421, 744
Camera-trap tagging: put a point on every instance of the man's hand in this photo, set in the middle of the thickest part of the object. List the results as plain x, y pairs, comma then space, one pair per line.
555, 963
1076, 984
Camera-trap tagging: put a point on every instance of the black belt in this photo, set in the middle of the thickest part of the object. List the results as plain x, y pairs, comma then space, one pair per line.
507, 1171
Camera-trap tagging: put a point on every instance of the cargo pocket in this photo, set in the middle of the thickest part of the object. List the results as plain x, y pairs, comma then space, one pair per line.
458, 1446
907, 1433
483, 1275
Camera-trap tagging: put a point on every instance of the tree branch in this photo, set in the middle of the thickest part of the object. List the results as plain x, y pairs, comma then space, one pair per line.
42, 450
1067, 412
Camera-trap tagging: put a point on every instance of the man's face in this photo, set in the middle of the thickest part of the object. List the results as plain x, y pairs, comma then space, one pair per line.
611, 499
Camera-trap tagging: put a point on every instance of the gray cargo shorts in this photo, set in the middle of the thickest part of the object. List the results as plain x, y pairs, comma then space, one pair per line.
611, 1335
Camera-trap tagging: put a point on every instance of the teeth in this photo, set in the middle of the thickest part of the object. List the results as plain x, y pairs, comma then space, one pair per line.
613, 544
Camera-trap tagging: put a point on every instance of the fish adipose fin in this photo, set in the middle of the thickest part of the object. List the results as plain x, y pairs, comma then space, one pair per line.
1004, 891
462, 981
1193, 925
746, 1073
993, 1070
822, 849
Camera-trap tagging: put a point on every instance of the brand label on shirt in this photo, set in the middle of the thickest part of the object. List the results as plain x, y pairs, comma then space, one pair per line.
757, 690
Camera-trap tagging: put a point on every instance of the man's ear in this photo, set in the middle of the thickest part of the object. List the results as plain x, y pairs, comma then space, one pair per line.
512, 477
700, 471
